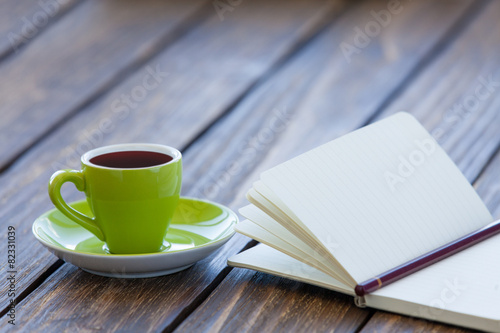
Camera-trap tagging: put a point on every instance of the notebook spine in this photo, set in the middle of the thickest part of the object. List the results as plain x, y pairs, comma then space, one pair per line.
360, 301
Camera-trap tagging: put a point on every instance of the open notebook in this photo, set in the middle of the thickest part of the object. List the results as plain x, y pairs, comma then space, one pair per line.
367, 202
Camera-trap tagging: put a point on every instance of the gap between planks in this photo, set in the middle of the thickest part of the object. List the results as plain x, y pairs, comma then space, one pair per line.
327, 21
204, 295
453, 33
487, 164
44, 276
447, 39
178, 33
190, 23
14, 49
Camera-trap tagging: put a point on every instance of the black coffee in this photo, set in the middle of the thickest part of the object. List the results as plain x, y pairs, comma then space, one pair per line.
131, 159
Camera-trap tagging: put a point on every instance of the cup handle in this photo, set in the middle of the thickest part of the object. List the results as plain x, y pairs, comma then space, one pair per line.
77, 178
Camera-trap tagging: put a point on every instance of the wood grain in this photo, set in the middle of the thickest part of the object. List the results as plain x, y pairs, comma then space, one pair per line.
488, 187
257, 302
188, 98
312, 121
317, 96
470, 135
75, 61
71, 298
388, 322
22, 21
445, 95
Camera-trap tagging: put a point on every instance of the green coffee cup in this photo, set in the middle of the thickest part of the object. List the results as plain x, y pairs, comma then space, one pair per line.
132, 190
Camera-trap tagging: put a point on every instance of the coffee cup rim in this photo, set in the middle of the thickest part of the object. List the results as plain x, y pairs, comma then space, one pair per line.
152, 147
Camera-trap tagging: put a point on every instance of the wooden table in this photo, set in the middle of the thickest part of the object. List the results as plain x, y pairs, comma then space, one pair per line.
211, 78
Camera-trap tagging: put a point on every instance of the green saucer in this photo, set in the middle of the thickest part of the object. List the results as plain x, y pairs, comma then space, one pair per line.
198, 228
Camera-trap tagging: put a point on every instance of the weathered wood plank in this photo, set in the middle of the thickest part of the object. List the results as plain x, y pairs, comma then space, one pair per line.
55, 283
257, 302
310, 122
22, 21
388, 322
336, 99
488, 187
464, 119
189, 98
203, 318
458, 96
75, 61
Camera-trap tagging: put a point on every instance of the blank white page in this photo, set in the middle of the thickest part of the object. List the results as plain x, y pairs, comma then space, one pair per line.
383, 194
268, 260
269, 207
266, 222
255, 231
463, 289
264, 229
